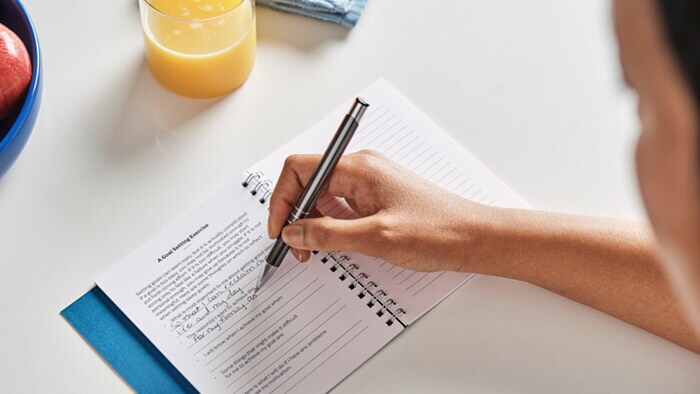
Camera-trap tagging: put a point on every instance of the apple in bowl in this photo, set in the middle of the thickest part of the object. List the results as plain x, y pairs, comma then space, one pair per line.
15, 71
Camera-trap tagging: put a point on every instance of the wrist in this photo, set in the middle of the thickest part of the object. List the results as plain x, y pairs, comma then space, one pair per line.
486, 232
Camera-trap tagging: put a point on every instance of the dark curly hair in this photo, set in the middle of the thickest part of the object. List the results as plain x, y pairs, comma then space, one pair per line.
681, 19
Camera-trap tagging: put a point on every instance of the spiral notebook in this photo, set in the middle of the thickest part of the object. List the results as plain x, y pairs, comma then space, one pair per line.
190, 290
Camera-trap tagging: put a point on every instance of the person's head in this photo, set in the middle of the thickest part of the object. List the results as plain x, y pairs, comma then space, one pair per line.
659, 42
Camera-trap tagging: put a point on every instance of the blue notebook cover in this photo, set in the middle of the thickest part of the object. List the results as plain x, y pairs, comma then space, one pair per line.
123, 346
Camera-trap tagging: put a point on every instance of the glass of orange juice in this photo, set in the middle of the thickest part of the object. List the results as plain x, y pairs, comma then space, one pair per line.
199, 48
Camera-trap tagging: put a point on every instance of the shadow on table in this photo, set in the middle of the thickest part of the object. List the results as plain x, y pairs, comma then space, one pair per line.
144, 112
133, 114
301, 32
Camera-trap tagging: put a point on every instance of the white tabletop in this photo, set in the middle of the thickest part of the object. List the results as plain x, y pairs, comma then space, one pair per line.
532, 88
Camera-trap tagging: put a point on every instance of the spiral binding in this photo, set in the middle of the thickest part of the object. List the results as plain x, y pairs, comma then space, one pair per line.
368, 291
258, 186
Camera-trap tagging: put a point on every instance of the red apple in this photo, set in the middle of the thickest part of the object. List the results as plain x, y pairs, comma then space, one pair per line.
15, 70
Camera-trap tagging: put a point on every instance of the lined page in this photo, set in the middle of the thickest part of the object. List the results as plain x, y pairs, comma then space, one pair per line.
190, 290
400, 131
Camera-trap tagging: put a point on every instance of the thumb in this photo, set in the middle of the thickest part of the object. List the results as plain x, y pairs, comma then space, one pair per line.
326, 234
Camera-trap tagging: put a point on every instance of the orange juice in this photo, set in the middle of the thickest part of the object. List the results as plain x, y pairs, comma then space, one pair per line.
199, 48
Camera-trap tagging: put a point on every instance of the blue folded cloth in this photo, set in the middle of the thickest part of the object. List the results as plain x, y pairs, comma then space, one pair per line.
344, 12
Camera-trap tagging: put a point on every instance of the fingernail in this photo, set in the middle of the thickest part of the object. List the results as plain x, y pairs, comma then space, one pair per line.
293, 235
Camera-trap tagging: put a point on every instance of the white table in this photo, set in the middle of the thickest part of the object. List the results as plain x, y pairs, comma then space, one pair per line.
532, 88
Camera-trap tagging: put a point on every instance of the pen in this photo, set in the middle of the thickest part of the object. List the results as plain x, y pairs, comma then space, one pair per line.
317, 182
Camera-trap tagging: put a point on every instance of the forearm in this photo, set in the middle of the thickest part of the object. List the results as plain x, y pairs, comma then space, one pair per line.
607, 264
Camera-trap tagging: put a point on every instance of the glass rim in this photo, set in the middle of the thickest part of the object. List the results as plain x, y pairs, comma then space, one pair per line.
180, 19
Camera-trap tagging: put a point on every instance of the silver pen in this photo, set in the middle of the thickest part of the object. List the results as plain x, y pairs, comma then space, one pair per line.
317, 182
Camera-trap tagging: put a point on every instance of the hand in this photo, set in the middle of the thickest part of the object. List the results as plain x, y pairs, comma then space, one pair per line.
403, 218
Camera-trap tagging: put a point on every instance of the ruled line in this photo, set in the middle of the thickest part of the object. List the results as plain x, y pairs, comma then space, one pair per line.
326, 360
287, 340
323, 351
261, 323
388, 151
243, 286
416, 282
401, 271
428, 284
408, 277
253, 309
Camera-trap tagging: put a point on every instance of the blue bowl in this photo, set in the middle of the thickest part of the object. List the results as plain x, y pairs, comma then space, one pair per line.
16, 128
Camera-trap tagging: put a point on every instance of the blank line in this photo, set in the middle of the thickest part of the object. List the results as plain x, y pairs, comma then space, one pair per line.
320, 353
364, 128
291, 348
431, 176
400, 272
274, 282
366, 131
380, 146
475, 194
411, 151
251, 368
448, 184
426, 160
428, 157
383, 133
416, 282
370, 121
428, 284
261, 323
324, 361
265, 330
408, 277
392, 141
459, 177
373, 111
405, 137
445, 176
376, 128
464, 193
404, 146
460, 185
433, 164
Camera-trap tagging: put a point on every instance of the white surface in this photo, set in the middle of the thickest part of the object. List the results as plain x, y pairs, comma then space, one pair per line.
529, 87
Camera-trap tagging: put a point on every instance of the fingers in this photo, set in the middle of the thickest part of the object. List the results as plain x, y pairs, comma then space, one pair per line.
327, 234
349, 175
302, 256
290, 184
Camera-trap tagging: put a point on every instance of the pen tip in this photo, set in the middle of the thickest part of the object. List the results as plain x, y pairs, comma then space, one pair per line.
257, 289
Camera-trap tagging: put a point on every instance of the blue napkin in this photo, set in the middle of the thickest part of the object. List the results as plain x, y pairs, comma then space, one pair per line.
344, 12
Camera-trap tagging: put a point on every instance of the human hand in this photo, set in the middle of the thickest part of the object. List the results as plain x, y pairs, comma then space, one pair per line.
403, 218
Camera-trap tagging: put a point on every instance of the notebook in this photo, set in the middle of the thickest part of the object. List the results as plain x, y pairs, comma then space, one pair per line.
190, 290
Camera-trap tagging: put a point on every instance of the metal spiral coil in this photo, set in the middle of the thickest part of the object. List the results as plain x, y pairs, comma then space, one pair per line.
377, 298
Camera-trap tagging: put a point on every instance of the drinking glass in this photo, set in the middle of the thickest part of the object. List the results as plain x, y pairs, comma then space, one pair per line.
199, 48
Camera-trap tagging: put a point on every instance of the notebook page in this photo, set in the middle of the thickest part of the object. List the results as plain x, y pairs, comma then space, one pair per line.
190, 290
400, 131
